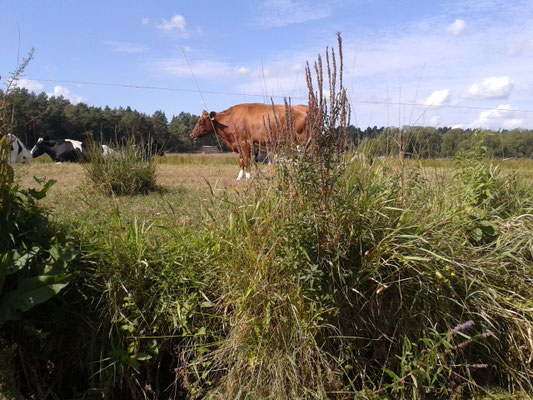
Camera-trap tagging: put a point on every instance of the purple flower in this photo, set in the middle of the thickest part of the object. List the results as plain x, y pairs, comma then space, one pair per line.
463, 327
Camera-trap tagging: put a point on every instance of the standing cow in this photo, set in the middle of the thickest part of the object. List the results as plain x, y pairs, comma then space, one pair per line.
242, 127
18, 152
61, 150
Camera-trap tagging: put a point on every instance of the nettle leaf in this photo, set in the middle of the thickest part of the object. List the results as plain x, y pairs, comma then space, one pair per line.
20, 261
489, 228
38, 289
476, 234
60, 257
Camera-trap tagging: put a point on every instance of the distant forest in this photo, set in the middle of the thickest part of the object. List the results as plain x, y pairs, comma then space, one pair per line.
35, 115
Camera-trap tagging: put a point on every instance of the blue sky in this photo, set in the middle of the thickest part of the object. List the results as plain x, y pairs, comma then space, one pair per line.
438, 63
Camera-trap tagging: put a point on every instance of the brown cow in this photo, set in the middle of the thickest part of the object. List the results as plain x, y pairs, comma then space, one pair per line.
242, 127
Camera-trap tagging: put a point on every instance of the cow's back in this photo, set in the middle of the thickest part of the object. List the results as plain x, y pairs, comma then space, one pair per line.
254, 117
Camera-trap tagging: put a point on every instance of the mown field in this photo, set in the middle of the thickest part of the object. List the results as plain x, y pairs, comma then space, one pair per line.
400, 280
184, 182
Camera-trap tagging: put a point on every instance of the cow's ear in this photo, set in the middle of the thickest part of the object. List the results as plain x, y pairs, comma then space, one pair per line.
212, 115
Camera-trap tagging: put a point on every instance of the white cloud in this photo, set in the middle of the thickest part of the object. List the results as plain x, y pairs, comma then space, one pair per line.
417, 60
491, 88
502, 117
67, 94
438, 98
177, 22
435, 120
457, 27
30, 85
201, 69
517, 47
125, 47
279, 13
212, 68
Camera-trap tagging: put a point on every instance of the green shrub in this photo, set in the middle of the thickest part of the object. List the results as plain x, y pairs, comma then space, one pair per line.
127, 171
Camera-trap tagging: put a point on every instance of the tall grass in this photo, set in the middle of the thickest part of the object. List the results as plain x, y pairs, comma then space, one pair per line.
127, 170
35, 262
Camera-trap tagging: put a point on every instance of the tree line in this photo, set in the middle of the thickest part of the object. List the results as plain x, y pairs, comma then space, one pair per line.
443, 142
35, 115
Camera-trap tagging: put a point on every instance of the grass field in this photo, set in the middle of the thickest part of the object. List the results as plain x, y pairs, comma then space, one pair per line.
414, 282
184, 180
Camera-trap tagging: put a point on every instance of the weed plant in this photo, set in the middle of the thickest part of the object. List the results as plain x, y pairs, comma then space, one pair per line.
388, 293
35, 262
128, 170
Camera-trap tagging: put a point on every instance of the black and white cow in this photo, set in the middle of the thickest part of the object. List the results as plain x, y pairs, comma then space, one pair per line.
18, 152
61, 150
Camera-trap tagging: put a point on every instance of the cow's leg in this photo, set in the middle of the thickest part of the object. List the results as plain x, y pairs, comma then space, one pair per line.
246, 152
244, 149
241, 165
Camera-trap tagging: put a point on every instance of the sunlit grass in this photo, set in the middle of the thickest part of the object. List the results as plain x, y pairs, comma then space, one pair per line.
243, 271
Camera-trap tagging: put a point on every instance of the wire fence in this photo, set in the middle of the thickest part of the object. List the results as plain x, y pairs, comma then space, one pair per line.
255, 95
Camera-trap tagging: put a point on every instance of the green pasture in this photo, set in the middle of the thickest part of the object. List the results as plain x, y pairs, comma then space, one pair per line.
404, 280
185, 181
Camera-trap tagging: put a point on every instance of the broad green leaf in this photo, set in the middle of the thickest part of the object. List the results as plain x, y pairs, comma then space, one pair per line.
37, 290
22, 261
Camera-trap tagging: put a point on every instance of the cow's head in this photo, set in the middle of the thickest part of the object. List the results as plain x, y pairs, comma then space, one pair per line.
205, 125
40, 147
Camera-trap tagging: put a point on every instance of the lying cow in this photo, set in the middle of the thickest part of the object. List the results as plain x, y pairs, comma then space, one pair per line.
18, 152
61, 150
108, 151
242, 127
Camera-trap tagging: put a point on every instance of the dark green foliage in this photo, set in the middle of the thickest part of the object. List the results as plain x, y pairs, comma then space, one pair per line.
39, 115
427, 142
